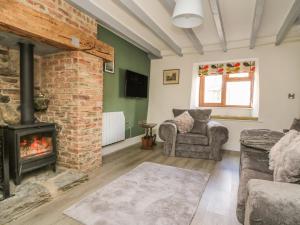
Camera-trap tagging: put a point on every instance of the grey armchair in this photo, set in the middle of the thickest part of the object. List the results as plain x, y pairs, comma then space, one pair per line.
204, 140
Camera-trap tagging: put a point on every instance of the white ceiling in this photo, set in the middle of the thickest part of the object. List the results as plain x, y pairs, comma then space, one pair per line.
237, 16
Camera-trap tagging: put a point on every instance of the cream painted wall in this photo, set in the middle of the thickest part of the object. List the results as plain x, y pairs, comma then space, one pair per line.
279, 74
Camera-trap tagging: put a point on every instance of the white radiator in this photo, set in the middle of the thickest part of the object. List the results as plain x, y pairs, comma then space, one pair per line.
113, 127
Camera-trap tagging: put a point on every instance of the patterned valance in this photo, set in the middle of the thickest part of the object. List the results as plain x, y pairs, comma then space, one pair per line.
226, 68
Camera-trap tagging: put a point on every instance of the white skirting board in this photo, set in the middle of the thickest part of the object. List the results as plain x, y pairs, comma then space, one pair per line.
121, 145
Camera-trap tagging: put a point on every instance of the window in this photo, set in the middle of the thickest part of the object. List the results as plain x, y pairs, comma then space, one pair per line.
227, 90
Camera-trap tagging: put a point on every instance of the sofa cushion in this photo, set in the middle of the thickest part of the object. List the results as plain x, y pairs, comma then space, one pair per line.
184, 122
200, 116
255, 160
246, 175
192, 139
296, 125
260, 139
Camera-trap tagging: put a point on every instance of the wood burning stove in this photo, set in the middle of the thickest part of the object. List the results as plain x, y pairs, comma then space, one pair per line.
31, 144
30, 147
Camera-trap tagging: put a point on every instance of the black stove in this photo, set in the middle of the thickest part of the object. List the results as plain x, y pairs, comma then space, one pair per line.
30, 145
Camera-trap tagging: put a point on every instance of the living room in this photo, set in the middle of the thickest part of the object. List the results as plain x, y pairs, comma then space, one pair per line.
149, 112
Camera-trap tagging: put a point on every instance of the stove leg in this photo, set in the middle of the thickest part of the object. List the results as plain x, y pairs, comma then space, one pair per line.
54, 167
18, 179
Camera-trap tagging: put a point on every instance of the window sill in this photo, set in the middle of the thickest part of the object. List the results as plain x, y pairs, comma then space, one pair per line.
228, 107
244, 118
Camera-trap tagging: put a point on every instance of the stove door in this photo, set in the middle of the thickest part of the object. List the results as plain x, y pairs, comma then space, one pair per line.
35, 143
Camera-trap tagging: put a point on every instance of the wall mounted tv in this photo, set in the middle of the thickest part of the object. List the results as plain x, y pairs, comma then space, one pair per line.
136, 85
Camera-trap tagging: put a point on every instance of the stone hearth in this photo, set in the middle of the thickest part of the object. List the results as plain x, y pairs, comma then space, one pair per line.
38, 188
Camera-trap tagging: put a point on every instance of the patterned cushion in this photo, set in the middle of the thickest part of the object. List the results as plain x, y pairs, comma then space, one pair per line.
184, 122
201, 117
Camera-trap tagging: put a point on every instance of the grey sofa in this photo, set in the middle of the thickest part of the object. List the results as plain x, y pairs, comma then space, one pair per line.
261, 201
204, 141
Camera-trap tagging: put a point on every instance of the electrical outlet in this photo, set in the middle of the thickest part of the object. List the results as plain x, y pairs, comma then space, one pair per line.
291, 96
75, 41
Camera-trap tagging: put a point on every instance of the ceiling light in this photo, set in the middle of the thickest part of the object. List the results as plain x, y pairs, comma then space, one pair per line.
188, 13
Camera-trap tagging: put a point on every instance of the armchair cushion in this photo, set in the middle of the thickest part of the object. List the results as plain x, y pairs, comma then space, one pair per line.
199, 127
197, 114
200, 116
184, 122
192, 139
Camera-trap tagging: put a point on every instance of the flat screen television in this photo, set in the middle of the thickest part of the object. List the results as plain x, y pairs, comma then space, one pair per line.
136, 85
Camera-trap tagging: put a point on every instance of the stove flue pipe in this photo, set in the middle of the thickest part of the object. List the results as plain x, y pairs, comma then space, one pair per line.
26, 83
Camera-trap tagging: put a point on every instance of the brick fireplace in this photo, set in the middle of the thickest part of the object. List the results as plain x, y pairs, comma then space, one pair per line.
74, 82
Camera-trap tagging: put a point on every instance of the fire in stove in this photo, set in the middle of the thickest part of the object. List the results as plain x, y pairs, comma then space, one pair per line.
35, 145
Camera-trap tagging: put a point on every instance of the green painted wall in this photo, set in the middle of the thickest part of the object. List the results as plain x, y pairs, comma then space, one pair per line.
127, 56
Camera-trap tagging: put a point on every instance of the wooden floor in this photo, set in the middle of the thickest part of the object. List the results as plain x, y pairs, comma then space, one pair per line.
217, 206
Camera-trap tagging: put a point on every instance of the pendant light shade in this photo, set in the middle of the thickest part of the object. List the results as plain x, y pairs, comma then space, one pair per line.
188, 13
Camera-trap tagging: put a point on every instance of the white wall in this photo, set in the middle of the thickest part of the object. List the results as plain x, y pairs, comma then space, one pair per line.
279, 74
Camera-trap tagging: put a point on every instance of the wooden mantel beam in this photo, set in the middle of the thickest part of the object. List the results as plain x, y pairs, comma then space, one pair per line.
21, 20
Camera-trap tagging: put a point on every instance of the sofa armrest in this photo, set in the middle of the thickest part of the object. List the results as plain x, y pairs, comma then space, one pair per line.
217, 133
273, 203
168, 133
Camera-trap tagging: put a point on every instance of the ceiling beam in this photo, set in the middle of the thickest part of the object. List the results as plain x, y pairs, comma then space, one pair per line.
288, 22
140, 14
215, 9
194, 39
257, 18
111, 23
169, 6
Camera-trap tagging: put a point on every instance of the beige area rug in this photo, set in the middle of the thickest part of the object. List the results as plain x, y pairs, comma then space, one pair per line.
150, 194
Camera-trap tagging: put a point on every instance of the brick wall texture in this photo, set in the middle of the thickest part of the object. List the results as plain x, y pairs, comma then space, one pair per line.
74, 82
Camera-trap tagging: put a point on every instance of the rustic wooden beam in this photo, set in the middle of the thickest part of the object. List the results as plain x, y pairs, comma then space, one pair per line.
21, 20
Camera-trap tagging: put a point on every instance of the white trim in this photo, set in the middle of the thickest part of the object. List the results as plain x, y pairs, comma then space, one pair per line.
121, 145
